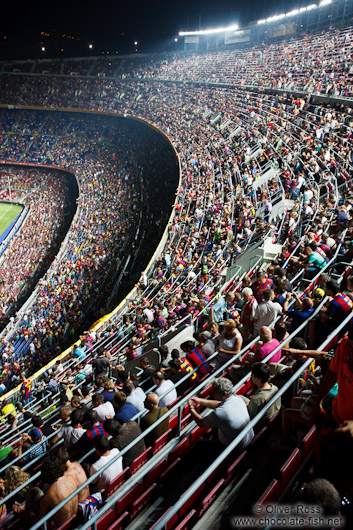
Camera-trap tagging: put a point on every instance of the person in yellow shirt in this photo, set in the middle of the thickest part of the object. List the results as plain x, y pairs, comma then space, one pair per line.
6, 408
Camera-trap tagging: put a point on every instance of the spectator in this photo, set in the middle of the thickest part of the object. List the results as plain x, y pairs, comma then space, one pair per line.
228, 344
101, 444
267, 311
125, 411
177, 374
122, 436
260, 285
155, 412
104, 409
61, 486
164, 386
135, 396
263, 392
71, 431
101, 364
229, 414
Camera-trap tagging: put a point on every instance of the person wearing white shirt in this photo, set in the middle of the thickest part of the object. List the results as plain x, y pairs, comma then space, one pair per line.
105, 410
164, 385
135, 396
101, 444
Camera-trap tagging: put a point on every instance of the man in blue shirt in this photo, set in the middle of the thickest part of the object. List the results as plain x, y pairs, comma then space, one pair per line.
300, 315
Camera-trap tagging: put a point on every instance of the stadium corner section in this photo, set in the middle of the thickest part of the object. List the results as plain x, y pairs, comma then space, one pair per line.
11, 395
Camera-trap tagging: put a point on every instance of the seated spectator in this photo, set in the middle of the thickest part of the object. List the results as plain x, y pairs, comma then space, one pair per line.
135, 396
316, 260
207, 344
75, 470
104, 409
229, 343
87, 398
71, 431
185, 365
248, 313
77, 405
320, 492
14, 477
109, 389
101, 444
35, 443
61, 486
155, 412
195, 356
264, 347
263, 392
123, 435
229, 415
85, 443
125, 411
177, 374
164, 386
300, 315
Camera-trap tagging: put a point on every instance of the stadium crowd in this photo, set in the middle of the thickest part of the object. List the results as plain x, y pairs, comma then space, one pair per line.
302, 153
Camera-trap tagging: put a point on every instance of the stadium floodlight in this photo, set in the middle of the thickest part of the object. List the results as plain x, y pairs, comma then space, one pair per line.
294, 12
325, 3
275, 18
234, 27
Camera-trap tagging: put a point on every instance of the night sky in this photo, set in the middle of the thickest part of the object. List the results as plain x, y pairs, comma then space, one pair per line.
115, 26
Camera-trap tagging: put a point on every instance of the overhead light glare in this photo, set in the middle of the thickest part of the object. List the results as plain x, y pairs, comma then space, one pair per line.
234, 27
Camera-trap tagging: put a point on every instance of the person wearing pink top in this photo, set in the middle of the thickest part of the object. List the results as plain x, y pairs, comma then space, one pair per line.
265, 346
262, 349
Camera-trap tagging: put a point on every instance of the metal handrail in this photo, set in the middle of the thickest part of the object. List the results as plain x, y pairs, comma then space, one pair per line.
162, 524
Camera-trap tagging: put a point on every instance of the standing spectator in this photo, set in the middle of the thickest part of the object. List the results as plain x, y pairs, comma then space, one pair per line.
261, 284
101, 364
26, 386
267, 311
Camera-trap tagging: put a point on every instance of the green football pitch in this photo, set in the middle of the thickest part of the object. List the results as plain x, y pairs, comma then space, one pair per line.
8, 212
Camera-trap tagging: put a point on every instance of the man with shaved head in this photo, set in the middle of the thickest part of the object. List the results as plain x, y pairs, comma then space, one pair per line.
262, 349
155, 412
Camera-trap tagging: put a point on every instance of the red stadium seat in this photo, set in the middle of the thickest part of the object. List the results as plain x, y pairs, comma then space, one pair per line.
155, 473
289, 468
140, 461
169, 470
197, 433
187, 521
271, 493
105, 520
142, 500
161, 441
118, 481
179, 450
129, 497
120, 522
208, 500
308, 442
192, 500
